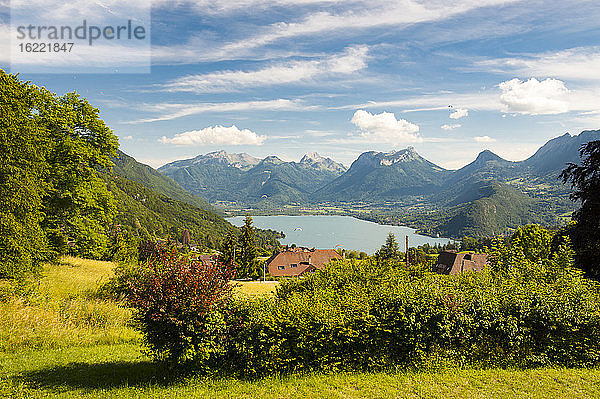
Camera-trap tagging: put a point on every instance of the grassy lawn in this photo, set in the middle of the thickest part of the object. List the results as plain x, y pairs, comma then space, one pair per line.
255, 287
121, 371
63, 342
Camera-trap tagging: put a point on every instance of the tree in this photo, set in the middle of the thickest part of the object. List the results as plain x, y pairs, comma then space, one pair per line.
390, 250
248, 266
185, 238
51, 198
534, 241
228, 250
23, 172
585, 186
77, 204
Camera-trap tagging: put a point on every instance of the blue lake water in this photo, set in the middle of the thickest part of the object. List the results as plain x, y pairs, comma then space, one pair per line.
331, 231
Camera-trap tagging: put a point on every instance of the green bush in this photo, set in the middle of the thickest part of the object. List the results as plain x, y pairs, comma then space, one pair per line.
363, 315
345, 319
178, 306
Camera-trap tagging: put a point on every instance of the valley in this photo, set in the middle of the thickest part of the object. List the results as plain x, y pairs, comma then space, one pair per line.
486, 197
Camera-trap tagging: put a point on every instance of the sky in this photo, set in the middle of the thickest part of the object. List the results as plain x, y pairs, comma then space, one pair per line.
288, 77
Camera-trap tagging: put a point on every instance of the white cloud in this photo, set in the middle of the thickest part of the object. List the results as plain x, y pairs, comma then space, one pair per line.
230, 6
579, 63
533, 97
389, 14
128, 138
168, 111
452, 126
385, 128
484, 139
352, 60
220, 135
318, 133
348, 19
459, 113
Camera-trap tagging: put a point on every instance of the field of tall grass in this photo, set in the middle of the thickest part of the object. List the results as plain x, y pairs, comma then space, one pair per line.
61, 339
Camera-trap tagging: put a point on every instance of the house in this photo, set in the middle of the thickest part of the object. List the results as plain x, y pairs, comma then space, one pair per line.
291, 262
450, 262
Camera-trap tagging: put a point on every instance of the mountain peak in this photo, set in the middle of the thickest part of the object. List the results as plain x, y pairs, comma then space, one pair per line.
314, 160
273, 160
311, 156
487, 155
241, 161
406, 155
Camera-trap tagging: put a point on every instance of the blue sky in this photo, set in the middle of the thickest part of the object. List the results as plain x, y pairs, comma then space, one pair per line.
286, 77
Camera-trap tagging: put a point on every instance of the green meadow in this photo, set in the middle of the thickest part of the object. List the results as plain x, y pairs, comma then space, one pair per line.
62, 340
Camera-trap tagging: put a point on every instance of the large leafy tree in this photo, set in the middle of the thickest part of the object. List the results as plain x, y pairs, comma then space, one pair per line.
23, 179
51, 148
78, 205
585, 183
247, 262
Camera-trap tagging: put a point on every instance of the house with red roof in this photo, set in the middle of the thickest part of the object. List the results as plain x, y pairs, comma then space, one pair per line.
292, 262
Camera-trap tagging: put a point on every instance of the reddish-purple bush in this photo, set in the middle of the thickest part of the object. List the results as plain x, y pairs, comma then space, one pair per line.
179, 305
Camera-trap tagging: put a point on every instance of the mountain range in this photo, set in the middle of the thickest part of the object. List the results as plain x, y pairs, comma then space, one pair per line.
153, 206
401, 185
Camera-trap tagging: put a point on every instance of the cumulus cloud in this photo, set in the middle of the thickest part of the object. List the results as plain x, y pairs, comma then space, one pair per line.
452, 126
534, 97
484, 139
385, 128
459, 113
221, 135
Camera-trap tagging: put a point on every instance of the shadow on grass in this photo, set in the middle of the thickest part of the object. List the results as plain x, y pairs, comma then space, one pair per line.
104, 375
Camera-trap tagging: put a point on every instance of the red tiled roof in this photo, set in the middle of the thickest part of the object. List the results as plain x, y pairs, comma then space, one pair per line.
303, 259
450, 262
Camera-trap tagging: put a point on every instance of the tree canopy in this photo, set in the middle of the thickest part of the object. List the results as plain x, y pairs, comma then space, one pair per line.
585, 183
53, 201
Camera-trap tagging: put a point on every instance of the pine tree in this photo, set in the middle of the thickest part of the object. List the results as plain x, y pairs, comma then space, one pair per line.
248, 266
185, 238
390, 250
228, 250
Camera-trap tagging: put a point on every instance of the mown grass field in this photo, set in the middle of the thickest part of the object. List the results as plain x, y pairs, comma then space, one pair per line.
62, 341
255, 287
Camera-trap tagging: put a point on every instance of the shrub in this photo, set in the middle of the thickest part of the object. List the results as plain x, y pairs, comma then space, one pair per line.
357, 316
179, 306
527, 310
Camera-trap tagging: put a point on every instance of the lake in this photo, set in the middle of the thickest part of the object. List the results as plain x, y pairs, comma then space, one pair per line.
331, 231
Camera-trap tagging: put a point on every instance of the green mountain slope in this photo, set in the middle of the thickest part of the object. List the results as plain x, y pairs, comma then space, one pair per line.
160, 216
500, 210
127, 167
154, 206
377, 176
485, 208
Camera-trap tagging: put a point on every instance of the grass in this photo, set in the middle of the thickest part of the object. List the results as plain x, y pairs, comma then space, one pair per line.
60, 311
254, 288
74, 276
120, 371
61, 342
